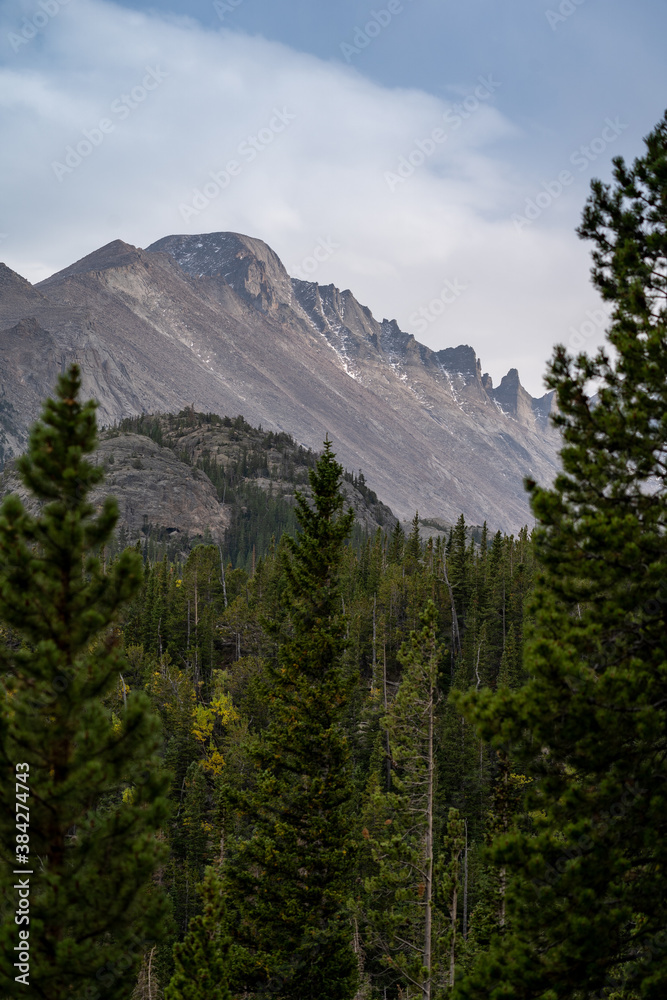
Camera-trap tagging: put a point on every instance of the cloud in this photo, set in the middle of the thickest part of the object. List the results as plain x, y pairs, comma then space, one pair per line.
121, 124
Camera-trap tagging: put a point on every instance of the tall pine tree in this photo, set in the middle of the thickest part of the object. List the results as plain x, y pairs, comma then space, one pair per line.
202, 961
90, 780
292, 877
587, 901
399, 894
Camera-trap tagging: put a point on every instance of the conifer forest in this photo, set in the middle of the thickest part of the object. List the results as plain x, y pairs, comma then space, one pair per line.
311, 761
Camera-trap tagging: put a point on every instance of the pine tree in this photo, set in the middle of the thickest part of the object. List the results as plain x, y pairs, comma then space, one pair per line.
458, 559
203, 960
291, 879
397, 544
400, 832
450, 888
589, 897
413, 546
89, 778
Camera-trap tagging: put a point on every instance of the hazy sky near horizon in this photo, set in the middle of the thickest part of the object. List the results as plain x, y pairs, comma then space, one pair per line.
432, 156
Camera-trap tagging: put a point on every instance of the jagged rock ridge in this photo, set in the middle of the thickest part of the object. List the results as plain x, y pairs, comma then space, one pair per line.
215, 321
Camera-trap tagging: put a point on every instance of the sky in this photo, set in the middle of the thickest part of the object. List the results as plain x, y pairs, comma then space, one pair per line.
432, 156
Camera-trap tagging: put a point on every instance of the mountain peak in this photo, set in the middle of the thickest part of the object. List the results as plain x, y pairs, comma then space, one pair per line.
214, 321
513, 398
15, 290
114, 254
247, 264
209, 254
460, 360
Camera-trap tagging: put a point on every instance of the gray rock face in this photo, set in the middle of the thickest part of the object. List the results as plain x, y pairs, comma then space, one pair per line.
152, 486
249, 266
518, 403
214, 321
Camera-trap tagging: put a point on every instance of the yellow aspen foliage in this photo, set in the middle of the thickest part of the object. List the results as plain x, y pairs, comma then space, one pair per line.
207, 722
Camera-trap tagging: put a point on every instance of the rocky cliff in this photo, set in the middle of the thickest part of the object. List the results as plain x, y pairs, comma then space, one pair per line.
163, 491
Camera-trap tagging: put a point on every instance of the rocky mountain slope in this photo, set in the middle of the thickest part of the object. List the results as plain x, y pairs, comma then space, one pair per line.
181, 478
215, 322
236, 455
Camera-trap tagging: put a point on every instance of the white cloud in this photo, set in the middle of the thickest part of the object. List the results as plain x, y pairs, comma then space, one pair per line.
179, 104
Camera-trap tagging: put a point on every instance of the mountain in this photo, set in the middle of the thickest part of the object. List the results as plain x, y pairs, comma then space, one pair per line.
214, 322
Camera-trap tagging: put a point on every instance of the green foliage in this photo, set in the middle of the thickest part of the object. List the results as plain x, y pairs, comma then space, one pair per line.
290, 691
382, 588
95, 788
588, 894
397, 909
291, 878
202, 960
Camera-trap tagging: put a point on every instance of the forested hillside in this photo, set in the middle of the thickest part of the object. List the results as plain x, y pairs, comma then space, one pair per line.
204, 638
201, 644
255, 474
313, 760
181, 479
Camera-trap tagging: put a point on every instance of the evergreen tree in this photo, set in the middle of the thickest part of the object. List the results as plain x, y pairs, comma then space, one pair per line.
291, 879
202, 960
588, 902
400, 832
88, 779
459, 563
450, 888
413, 546
396, 544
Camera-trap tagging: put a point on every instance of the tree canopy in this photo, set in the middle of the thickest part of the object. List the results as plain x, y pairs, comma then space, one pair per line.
94, 798
589, 896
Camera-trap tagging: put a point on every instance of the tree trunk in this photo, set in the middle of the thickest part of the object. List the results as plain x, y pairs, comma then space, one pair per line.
356, 945
429, 850
222, 575
503, 889
386, 732
452, 949
150, 965
456, 637
465, 886
374, 642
